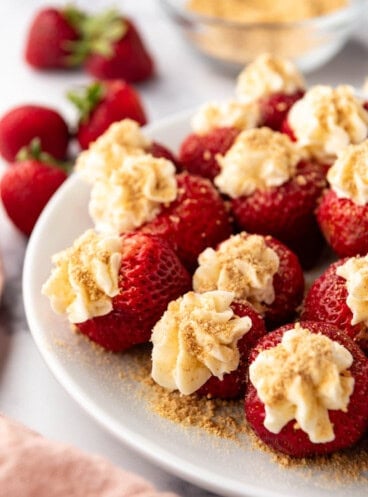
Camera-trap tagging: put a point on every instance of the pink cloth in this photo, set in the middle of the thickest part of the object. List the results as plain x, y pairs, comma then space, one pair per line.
31, 466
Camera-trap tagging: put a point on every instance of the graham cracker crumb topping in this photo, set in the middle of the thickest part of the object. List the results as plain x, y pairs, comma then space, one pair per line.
109, 151
232, 113
302, 378
244, 265
133, 195
196, 338
85, 277
266, 75
328, 119
259, 159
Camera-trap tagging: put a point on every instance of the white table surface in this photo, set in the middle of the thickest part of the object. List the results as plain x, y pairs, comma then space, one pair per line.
28, 391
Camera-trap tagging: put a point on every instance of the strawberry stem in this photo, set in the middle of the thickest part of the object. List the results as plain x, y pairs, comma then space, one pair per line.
87, 99
33, 151
98, 34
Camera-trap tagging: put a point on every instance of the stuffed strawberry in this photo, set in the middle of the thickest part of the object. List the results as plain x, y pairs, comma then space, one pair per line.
232, 385
20, 125
326, 120
114, 289
275, 84
135, 191
273, 190
259, 270
120, 140
215, 127
201, 344
102, 103
198, 153
195, 219
338, 297
27, 186
53, 38
343, 210
307, 390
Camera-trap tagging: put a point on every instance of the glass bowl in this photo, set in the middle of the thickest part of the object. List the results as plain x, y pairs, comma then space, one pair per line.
308, 43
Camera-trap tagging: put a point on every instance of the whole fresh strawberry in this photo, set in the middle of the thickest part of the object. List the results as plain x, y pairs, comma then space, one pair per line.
307, 390
127, 283
116, 49
274, 108
52, 38
327, 300
102, 103
232, 385
20, 125
196, 219
259, 270
198, 152
27, 186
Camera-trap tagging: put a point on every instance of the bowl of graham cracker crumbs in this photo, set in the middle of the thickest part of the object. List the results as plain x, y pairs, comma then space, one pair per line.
234, 32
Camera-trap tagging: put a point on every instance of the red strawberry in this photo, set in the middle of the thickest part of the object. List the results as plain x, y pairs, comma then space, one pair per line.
344, 224
198, 152
288, 285
245, 250
286, 129
348, 426
161, 152
19, 126
103, 103
287, 212
118, 52
151, 276
51, 38
233, 384
326, 301
27, 186
274, 108
197, 219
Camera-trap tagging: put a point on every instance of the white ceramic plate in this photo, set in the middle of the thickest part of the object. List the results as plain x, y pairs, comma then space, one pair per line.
213, 463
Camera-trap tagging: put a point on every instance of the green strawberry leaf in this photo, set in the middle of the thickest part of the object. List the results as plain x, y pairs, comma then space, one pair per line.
33, 151
98, 34
86, 99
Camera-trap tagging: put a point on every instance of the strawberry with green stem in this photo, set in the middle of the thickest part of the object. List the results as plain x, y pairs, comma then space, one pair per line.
102, 103
27, 186
108, 44
20, 125
114, 49
53, 38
